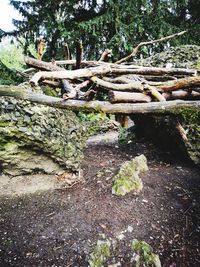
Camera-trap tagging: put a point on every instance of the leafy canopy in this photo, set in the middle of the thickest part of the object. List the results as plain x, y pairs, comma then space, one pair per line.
100, 24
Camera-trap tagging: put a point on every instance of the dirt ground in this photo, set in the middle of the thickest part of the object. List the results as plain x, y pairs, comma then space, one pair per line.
61, 227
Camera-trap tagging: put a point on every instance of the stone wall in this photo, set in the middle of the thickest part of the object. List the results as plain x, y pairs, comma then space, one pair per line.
185, 56
36, 138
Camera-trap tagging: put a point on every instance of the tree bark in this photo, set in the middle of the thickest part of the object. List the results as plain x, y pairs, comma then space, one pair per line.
69, 74
97, 106
185, 83
122, 97
41, 65
132, 86
181, 94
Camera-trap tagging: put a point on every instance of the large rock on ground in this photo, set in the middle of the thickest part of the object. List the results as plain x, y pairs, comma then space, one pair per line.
36, 138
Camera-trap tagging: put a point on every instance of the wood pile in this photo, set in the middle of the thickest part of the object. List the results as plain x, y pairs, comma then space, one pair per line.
124, 87
120, 83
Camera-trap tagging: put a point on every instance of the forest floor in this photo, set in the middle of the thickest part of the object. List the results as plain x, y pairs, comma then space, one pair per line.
61, 227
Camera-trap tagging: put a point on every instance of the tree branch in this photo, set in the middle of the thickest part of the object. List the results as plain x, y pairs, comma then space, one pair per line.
135, 50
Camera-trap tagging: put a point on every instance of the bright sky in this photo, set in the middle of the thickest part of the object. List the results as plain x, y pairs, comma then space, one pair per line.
7, 13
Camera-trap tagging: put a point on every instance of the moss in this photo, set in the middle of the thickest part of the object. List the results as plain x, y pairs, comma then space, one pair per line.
127, 180
191, 115
55, 134
4, 123
143, 254
100, 254
50, 91
12, 146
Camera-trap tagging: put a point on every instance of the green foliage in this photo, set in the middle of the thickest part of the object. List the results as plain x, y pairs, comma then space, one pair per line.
92, 117
115, 24
11, 55
8, 76
95, 122
12, 60
100, 254
143, 254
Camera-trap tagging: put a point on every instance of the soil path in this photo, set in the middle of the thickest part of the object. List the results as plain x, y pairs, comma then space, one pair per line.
60, 228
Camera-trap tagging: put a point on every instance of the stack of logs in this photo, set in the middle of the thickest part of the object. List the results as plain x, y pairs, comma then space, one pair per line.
121, 83
127, 88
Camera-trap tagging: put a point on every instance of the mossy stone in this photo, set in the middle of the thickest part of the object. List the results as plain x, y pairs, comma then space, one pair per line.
127, 179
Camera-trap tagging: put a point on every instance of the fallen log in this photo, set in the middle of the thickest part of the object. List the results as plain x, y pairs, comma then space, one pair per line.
156, 71
103, 70
185, 83
154, 92
41, 65
97, 106
71, 92
181, 94
131, 86
125, 97
69, 74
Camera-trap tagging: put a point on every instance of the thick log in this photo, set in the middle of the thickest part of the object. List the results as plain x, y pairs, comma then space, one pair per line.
185, 83
41, 65
131, 86
95, 106
69, 74
125, 97
71, 92
181, 94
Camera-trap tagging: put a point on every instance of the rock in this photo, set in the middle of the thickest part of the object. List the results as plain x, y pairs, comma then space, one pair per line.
143, 254
127, 180
106, 253
39, 139
100, 254
185, 56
